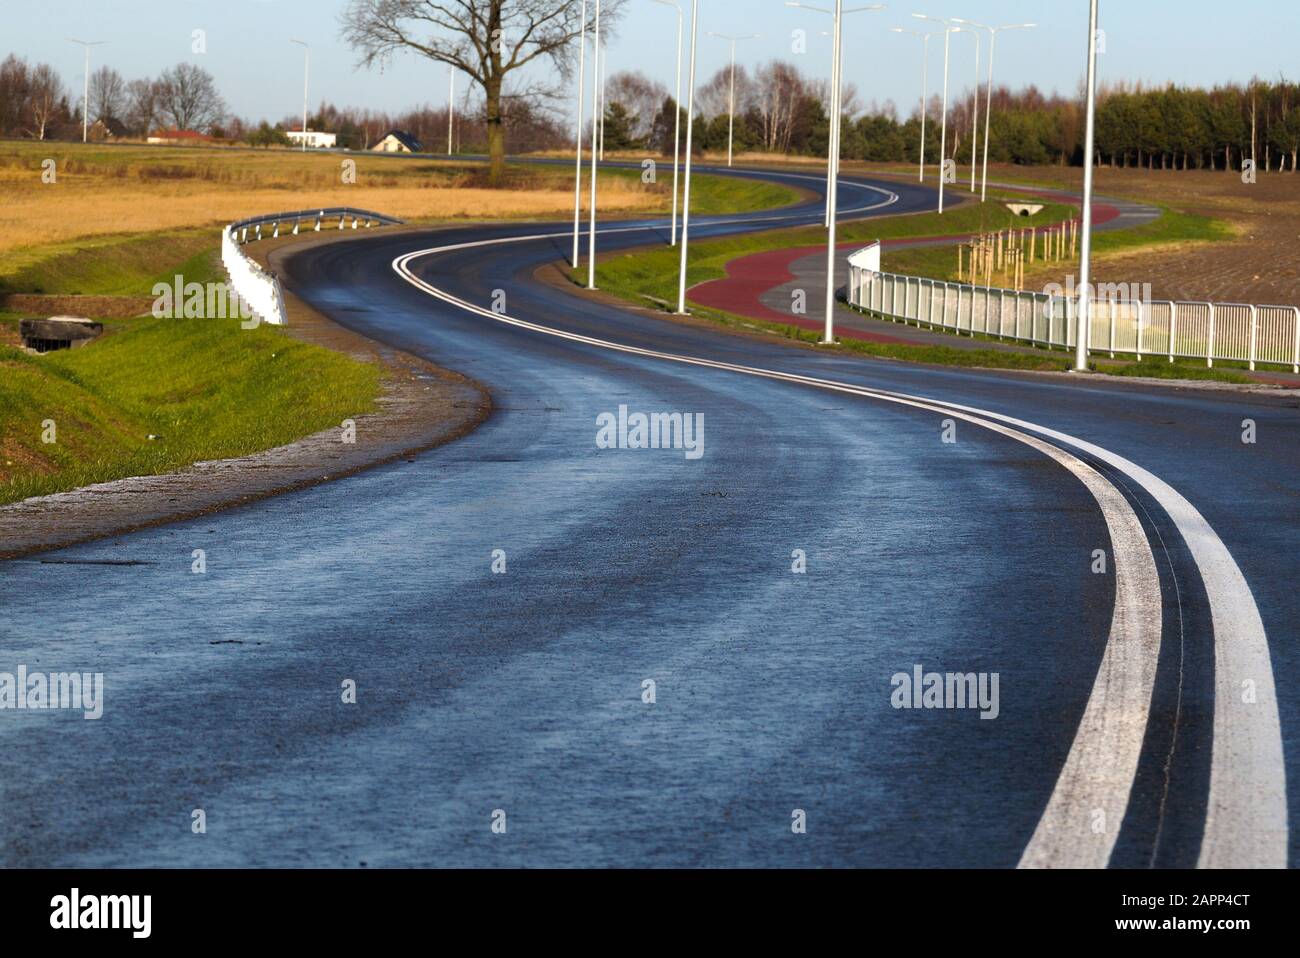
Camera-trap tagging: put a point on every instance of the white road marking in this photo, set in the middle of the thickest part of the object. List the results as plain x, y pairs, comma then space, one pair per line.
1104, 757
1246, 823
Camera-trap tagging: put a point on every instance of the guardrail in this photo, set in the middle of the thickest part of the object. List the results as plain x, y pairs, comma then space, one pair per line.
260, 289
1236, 332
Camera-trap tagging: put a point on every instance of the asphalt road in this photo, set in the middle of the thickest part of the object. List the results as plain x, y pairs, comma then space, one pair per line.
1136, 724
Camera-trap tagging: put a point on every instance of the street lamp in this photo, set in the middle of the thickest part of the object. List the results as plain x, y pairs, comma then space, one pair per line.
988, 105
306, 73
677, 109
603, 60
925, 85
690, 129
577, 172
1085, 297
595, 159
948, 31
837, 83
731, 121
85, 99
975, 107
451, 106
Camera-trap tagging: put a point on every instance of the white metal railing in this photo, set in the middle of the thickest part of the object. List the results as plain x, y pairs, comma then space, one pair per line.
1177, 330
255, 286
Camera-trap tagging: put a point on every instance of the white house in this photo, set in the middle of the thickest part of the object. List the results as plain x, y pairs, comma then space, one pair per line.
315, 139
397, 141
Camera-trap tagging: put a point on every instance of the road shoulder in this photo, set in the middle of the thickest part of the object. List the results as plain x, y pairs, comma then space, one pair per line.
421, 407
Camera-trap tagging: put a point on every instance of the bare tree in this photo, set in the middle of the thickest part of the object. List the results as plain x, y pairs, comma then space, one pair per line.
46, 90
190, 100
779, 92
107, 94
713, 99
642, 98
488, 40
143, 106
15, 91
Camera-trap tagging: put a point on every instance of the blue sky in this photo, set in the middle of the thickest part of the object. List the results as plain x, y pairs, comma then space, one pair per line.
260, 72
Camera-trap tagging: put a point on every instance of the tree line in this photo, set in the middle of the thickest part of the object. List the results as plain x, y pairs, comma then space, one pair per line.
778, 110
35, 103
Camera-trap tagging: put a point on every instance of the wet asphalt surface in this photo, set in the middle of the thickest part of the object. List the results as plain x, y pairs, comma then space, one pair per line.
523, 691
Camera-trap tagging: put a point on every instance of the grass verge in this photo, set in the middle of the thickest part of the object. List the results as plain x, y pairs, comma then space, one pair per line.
206, 388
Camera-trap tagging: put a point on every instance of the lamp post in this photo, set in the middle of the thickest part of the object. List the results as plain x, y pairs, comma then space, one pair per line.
948, 31
595, 159
85, 99
601, 64
577, 172
925, 86
690, 129
975, 107
988, 104
677, 120
1085, 296
833, 160
731, 118
451, 107
306, 76
837, 83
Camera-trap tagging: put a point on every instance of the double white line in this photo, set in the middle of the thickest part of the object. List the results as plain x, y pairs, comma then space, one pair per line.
1246, 820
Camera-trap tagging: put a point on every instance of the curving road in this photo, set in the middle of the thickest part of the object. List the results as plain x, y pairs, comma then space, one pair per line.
1146, 715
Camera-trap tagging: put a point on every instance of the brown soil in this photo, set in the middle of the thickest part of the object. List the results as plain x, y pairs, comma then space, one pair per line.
1260, 266
421, 407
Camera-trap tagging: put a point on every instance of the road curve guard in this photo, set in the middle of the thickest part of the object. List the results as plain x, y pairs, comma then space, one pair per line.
261, 290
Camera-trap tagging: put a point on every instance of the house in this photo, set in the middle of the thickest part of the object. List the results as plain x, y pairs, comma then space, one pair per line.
108, 128
398, 142
183, 137
316, 140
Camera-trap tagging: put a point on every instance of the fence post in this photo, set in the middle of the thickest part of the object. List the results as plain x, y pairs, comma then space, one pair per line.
1139, 342
1295, 344
1254, 336
1173, 328
1113, 308
1209, 349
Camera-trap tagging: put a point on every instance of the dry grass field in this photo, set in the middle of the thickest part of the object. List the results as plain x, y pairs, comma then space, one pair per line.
101, 191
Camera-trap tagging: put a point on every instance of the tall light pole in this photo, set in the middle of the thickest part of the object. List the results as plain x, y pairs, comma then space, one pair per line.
601, 64
833, 160
85, 98
837, 83
577, 173
1089, 145
731, 120
451, 106
690, 129
306, 75
677, 109
948, 31
988, 103
925, 85
975, 107
595, 159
